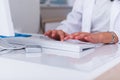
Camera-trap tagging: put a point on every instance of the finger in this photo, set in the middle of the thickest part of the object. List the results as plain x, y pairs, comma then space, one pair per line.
72, 36
67, 37
75, 34
61, 35
81, 36
91, 39
48, 33
54, 34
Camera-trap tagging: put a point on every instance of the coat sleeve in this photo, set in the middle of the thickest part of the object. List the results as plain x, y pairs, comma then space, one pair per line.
73, 21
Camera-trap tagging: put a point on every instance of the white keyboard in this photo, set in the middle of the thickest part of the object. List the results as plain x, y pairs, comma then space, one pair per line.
45, 42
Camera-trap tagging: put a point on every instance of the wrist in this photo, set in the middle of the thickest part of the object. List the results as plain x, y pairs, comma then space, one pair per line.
114, 38
110, 38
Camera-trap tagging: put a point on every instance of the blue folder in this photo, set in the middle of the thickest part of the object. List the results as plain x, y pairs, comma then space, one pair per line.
16, 35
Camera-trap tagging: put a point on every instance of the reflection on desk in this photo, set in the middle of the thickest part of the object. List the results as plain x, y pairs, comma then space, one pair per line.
91, 60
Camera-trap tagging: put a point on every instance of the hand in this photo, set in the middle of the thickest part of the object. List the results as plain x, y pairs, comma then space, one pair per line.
96, 38
78, 36
100, 37
56, 34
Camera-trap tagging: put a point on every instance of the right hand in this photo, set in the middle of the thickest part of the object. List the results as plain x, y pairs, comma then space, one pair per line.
56, 34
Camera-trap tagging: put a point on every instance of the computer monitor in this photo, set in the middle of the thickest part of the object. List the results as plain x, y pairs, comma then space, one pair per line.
6, 24
25, 15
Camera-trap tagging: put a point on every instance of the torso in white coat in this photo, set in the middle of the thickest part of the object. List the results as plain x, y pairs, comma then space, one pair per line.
101, 16
93, 16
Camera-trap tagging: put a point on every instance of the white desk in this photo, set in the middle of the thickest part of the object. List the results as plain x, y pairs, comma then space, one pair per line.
16, 65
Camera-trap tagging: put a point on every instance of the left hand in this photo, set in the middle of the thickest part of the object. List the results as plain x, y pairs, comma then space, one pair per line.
96, 38
100, 37
78, 36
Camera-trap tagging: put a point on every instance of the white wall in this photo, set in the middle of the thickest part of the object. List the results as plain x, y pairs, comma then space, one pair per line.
70, 2
25, 15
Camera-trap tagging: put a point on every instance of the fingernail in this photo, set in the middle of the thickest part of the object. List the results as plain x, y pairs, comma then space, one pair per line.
53, 35
86, 38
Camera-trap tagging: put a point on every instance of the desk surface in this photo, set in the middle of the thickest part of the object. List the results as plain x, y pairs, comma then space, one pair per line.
17, 65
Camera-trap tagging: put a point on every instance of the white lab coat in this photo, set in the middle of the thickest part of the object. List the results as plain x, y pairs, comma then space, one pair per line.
6, 24
80, 17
